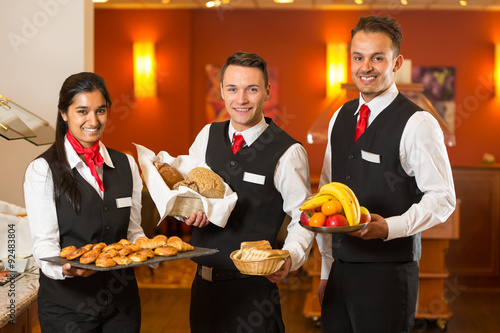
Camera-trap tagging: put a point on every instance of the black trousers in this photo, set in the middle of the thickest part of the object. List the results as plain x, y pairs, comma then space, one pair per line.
370, 298
249, 305
55, 318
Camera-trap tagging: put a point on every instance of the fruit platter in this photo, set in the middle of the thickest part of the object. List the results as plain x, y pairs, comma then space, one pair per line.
334, 209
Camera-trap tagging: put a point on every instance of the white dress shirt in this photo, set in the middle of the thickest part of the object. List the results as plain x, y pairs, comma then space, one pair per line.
41, 208
291, 179
423, 155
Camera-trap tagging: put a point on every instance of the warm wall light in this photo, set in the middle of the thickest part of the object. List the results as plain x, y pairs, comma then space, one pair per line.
497, 70
336, 66
144, 70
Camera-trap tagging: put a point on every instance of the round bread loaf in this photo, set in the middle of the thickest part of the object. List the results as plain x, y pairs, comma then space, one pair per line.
209, 183
170, 174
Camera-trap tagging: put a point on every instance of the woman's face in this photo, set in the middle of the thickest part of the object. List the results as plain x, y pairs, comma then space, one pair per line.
86, 117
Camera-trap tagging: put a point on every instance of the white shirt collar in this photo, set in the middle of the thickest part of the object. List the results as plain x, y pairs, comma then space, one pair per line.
74, 159
379, 103
251, 134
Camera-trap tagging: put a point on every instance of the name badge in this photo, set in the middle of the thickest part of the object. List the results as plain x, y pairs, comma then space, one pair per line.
254, 178
370, 157
124, 202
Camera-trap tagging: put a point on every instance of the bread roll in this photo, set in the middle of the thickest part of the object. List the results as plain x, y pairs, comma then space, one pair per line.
139, 241
209, 183
166, 251
160, 237
170, 175
125, 251
134, 247
262, 244
259, 250
187, 183
147, 252
67, 250
77, 253
179, 244
112, 252
88, 247
116, 246
122, 260
99, 246
128, 249
152, 243
89, 257
124, 242
105, 262
138, 257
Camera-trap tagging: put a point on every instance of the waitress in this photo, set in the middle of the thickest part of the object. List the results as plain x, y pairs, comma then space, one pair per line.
79, 192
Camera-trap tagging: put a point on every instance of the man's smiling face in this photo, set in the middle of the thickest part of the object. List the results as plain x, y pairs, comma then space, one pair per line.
244, 92
373, 63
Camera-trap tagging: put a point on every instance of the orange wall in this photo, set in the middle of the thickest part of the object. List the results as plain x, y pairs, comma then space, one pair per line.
162, 123
294, 42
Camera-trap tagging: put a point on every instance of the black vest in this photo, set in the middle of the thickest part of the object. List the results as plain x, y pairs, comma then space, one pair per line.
384, 188
258, 214
100, 220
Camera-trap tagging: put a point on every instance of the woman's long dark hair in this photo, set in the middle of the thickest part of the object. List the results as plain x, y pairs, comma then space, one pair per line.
64, 179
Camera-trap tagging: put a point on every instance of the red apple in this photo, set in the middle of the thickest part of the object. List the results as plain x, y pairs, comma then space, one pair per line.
365, 215
336, 220
305, 216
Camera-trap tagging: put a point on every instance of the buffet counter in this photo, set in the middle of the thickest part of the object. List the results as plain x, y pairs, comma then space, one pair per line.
18, 303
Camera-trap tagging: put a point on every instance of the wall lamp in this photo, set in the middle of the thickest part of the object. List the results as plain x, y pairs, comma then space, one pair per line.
336, 66
144, 70
496, 75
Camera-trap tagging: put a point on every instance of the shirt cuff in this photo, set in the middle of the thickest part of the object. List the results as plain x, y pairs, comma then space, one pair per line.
53, 271
326, 267
397, 227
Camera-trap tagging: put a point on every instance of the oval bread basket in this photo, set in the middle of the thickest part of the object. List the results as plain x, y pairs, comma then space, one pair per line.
258, 267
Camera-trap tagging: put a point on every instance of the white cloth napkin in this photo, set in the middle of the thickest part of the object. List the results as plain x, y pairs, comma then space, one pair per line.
15, 235
217, 210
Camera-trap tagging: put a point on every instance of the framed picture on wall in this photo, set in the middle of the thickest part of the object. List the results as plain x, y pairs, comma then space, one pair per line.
439, 89
215, 109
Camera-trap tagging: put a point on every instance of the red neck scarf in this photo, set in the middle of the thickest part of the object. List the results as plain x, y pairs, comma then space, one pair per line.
92, 156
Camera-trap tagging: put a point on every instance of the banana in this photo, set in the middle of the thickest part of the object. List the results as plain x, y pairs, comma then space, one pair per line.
357, 211
347, 199
317, 201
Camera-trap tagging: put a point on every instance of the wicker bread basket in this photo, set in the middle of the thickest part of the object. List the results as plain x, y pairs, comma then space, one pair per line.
258, 267
185, 206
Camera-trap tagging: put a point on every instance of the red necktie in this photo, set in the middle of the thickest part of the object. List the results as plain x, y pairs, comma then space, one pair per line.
92, 156
238, 142
364, 112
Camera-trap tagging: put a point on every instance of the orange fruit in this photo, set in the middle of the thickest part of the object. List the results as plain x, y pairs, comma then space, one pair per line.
317, 220
331, 207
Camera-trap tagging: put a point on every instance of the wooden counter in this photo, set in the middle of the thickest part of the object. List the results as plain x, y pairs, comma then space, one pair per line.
433, 300
474, 260
19, 299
